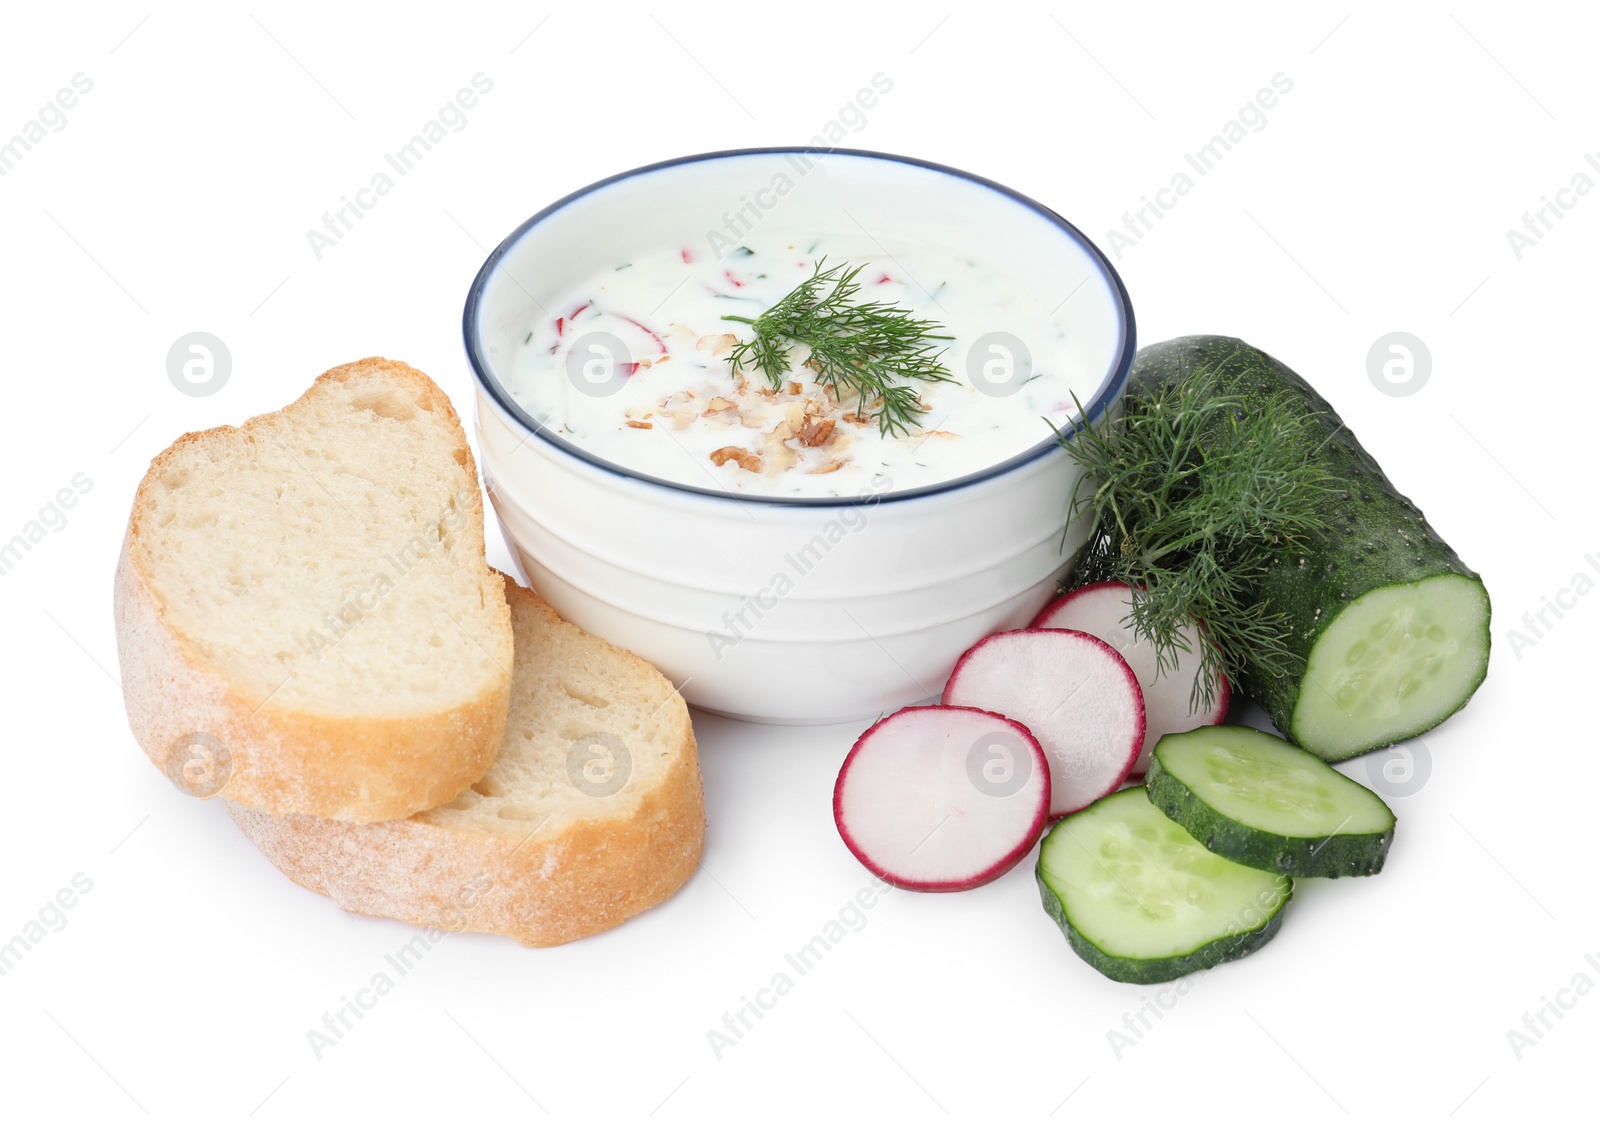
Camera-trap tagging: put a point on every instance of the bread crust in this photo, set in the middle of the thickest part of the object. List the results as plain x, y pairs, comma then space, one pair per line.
578, 879
352, 768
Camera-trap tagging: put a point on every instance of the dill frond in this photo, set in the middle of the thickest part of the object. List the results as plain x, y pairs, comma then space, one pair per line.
869, 350
1192, 493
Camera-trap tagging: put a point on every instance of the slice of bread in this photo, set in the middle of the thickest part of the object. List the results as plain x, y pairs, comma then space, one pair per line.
305, 620
592, 813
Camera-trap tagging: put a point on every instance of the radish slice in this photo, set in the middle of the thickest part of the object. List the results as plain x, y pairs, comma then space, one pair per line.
1100, 610
1074, 692
942, 798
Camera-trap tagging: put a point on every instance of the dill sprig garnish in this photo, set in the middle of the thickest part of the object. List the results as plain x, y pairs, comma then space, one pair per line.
870, 349
1191, 494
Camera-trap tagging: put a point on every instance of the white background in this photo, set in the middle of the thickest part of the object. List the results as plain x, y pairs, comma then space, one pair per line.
1377, 198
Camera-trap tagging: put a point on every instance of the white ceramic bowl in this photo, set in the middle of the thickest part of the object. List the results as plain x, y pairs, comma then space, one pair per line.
788, 610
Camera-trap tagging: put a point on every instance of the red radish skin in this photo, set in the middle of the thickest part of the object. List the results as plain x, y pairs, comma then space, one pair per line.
1099, 610
910, 802
562, 323
1076, 695
607, 321
654, 337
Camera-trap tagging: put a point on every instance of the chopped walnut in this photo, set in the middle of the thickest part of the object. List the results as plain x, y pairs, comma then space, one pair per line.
789, 421
815, 433
748, 460
776, 452
717, 345
680, 407
756, 416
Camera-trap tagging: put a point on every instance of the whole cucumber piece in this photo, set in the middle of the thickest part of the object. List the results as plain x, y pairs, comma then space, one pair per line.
1390, 627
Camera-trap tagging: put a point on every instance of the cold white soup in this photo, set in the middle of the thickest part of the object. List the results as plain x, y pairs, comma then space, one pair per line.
636, 366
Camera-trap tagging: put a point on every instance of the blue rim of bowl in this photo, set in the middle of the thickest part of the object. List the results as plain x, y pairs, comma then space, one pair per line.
1102, 400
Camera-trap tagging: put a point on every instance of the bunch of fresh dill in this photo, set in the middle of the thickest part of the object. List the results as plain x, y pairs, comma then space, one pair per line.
870, 350
1191, 494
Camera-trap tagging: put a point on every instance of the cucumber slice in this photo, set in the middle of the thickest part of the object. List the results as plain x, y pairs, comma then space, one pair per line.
1398, 661
1141, 900
1258, 800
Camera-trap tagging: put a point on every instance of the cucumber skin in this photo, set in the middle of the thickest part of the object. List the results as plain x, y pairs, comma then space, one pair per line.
1379, 536
1326, 857
1149, 971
